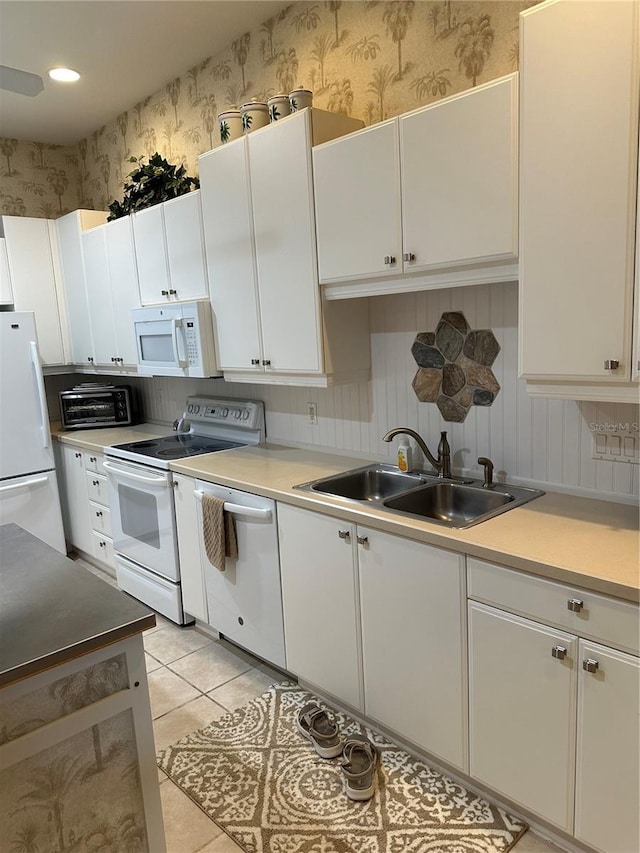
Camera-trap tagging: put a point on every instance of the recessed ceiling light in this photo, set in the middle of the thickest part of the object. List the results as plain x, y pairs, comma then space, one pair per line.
64, 75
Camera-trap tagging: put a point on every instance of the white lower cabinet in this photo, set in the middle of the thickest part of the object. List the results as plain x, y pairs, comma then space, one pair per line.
320, 600
362, 604
194, 597
608, 756
412, 599
522, 703
553, 713
85, 503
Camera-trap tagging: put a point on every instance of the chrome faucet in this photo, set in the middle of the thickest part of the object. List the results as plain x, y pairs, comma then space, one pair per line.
442, 464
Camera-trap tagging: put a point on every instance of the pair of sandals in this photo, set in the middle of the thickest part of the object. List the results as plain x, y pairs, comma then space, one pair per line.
360, 755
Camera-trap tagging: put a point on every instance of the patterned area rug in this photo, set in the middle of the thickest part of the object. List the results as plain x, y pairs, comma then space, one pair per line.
263, 783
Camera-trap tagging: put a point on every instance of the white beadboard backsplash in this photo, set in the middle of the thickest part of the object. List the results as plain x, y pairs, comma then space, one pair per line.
544, 442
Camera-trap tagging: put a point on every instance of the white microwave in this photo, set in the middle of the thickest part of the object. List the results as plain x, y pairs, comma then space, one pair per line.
175, 340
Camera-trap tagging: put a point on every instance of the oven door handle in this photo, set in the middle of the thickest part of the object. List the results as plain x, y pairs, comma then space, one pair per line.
237, 509
130, 475
175, 325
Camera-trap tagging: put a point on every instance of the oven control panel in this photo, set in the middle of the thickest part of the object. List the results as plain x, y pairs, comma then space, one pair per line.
246, 414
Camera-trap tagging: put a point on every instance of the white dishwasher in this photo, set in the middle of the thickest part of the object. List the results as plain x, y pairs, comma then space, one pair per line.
245, 600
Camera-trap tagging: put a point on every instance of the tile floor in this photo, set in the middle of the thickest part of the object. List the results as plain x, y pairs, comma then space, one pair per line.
192, 681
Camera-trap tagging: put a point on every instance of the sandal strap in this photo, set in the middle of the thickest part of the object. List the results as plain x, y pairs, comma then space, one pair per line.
311, 714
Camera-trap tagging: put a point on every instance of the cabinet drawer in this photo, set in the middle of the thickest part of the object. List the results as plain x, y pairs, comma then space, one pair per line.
93, 462
98, 488
100, 519
103, 549
614, 622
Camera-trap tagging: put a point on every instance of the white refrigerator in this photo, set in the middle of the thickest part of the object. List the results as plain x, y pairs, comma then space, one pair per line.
28, 485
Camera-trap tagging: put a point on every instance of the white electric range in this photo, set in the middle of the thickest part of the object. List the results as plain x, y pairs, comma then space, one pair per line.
141, 494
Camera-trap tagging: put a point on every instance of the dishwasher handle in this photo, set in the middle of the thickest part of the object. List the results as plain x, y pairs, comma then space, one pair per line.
237, 509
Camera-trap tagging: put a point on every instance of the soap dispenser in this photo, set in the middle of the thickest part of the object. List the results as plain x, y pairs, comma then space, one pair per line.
404, 456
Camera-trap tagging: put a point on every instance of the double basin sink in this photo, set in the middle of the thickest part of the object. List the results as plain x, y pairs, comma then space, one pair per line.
456, 503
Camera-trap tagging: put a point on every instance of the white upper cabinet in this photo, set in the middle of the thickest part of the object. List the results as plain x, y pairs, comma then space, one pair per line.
112, 291
170, 251
425, 200
357, 199
460, 179
6, 292
580, 84
257, 202
226, 209
32, 259
69, 230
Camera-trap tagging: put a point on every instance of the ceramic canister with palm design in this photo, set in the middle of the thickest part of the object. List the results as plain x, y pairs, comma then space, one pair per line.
300, 98
279, 106
230, 122
255, 114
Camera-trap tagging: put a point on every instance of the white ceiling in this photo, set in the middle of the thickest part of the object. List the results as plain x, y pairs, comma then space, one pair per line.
124, 50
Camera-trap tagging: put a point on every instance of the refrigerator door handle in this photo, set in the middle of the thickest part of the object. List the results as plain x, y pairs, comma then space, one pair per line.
24, 485
42, 399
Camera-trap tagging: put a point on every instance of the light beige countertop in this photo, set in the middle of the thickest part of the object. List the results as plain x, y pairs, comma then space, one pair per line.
593, 544
97, 439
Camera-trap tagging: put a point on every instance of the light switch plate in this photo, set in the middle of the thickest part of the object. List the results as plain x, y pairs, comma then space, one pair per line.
617, 446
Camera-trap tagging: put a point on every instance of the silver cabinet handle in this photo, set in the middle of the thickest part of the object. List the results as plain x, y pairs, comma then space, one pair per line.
389, 259
611, 364
575, 604
590, 665
362, 540
344, 534
408, 256
559, 652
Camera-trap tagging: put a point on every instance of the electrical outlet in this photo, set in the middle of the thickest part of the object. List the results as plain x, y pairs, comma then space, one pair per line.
312, 412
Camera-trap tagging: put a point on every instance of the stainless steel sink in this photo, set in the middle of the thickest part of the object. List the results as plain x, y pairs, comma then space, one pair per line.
450, 503
373, 483
453, 503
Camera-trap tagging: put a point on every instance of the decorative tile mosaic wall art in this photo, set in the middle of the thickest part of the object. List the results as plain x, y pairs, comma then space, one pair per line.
454, 366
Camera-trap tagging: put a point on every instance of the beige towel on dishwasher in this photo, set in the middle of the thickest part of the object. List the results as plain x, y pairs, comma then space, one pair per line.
219, 531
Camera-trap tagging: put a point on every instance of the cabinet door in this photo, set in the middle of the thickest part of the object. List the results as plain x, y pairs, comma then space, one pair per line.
413, 642
522, 709
6, 293
230, 253
69, 233
185, 247
123, 277
356, 183
151, 255
75, 500
33, 281
608, 764
319, 595
99, 296
578, 159
194, 598
280, 169
460, 178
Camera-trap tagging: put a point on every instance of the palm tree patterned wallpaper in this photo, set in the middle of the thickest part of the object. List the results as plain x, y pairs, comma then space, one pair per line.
369, 60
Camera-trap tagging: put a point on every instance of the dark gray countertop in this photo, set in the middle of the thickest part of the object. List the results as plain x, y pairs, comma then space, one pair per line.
52, 610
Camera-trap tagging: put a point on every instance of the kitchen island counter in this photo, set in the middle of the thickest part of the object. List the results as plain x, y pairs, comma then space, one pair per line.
74, 701
52, 610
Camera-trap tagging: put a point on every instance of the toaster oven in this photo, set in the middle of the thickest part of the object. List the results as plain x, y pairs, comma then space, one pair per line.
92, 405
